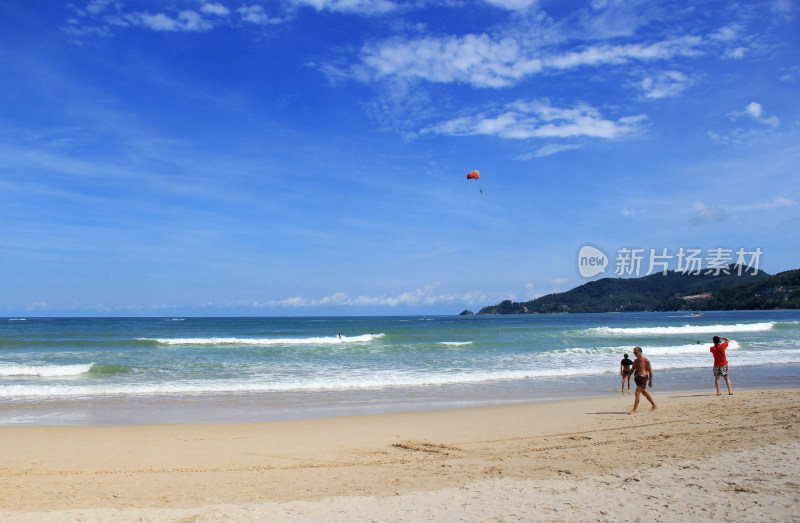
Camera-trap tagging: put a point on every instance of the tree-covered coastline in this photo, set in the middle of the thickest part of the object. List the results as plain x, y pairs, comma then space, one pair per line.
675, 291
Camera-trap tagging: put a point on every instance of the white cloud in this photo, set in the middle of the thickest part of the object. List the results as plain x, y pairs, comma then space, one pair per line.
96, 7
425, 295
707, 215
255, 14
726, 34
537, 119
184, 21
777, 202
599, 55
105, 14
486, 61
215, 9
513, 5
756, 111
527, 293
716, 214
782, 7
76, 28
732, 36
364, 7
549, 150
753, 111
791, 74
664, 85
736, 52
37, 305
475, 59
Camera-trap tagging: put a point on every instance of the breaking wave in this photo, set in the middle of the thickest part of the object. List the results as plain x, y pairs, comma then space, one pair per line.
45, 371
685, 329
321, 340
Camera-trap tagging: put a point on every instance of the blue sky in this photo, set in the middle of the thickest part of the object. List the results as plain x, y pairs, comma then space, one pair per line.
304, 157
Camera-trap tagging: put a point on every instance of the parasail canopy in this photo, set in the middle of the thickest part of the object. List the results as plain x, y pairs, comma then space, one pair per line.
473, 175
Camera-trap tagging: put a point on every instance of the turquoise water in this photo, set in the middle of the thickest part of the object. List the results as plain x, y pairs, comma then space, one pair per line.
141, 370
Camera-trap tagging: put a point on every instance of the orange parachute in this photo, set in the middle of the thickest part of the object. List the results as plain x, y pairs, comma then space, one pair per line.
473, 175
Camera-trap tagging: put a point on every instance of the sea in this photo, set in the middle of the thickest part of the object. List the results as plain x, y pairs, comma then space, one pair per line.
125, 371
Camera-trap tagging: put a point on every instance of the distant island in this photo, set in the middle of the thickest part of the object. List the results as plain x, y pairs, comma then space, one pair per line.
675, 291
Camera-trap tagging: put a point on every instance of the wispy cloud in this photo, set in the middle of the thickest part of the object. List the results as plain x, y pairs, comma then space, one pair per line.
212, 8
707, 215
618, 18
778, 202
364, 7
426, 295
100, 17
717, 214
474, 59
756, 112
734, 40
632, 213
664, 85
95, 7
784, 8
753, 112
486, 61
549, 150
513, 5
183, 21
255, 14
729, 33
538, 119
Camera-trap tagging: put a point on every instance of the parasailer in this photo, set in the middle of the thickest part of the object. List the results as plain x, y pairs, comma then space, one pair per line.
474, 175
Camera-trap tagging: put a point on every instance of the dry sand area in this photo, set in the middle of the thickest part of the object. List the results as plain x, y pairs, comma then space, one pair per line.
698, 457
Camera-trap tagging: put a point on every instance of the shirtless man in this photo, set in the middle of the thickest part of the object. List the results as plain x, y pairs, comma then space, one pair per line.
625, 371
642, 373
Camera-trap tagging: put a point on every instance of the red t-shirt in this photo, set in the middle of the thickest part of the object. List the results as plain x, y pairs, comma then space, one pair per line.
719, 354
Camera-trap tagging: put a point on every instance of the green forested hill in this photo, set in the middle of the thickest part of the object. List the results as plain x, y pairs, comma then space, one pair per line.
673, 291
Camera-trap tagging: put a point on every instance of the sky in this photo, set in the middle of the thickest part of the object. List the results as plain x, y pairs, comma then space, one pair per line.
309, 157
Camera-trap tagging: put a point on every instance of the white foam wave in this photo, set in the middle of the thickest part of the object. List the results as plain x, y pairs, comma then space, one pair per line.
18, 319
455, 343
349, 379
322, 340
381, 379
45, 371
669, 350
685, 329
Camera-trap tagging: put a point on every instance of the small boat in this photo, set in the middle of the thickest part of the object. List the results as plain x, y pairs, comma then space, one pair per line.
696, 314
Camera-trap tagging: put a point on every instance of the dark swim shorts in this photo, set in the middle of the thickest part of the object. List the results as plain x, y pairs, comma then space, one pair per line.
641, 381
722, 370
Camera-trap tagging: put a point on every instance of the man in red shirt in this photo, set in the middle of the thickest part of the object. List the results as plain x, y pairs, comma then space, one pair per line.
720, 363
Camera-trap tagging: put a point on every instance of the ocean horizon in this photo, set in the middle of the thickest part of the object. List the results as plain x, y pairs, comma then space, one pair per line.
121, 371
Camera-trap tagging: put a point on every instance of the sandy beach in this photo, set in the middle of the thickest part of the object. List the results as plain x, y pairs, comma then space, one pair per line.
697, 456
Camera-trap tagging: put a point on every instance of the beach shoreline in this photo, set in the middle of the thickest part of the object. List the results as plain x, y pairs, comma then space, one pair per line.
170, 472
133, 409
